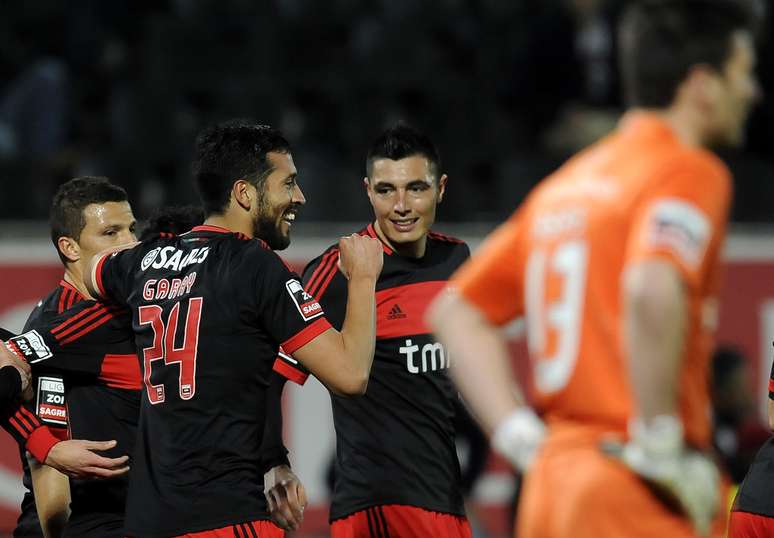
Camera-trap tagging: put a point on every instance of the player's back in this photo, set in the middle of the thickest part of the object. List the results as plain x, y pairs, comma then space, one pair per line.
207, 331
638, 194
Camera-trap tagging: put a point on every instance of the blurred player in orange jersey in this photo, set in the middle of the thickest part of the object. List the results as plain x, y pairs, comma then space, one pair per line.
614, 260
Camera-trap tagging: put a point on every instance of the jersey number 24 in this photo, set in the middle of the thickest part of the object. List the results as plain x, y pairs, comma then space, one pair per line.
163, 347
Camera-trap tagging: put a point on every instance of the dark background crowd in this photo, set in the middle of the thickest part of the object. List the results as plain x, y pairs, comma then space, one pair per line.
507, 89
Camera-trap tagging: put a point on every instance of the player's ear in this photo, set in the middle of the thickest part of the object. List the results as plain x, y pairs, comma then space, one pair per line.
242, 193
69, 248
367, 185
442, 186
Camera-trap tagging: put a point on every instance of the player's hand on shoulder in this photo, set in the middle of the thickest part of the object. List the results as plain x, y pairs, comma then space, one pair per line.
286, 497
680, 476
78, 458
518, 437
9, 358
360, 256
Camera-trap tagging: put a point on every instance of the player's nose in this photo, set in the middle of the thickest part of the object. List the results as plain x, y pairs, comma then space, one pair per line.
298, 195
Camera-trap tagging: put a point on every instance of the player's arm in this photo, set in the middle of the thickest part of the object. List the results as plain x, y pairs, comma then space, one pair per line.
52, 498
342, 360
467, 319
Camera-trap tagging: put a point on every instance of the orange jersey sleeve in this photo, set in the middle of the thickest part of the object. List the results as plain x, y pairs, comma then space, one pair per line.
491, 279
683, 218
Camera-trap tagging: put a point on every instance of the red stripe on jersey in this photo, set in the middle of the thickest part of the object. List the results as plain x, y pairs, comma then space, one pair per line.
19, 428
61, 306
98, 276
324, 285
211, 228
23, 420
444, 237
30, 416
86, 330
320, 271
287, 370
400, 311
80, 320
372, 232
121, 372
306, 335
771, 385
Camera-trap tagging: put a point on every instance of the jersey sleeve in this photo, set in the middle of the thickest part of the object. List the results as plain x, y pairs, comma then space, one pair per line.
289, 314
491, 280
113, 273
682, 219
290, 368
323, 280
39, 424
76, 340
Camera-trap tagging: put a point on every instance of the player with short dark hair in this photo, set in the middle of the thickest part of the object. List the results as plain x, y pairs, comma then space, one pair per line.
396, 470
210, 309
613, 261
86, 376
173, 220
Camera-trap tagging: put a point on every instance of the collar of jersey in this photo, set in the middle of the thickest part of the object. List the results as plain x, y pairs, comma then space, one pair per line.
220, 230
370, 231
63, 283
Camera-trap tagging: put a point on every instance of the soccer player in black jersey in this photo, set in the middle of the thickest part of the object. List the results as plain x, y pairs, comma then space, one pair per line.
397, 472
210, 309
86, 374
753, 513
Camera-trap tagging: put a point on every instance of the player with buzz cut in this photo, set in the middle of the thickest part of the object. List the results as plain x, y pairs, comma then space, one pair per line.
210, 309
614, 261
396, 469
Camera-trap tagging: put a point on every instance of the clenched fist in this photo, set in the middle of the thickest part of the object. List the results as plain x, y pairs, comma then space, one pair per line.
360, 257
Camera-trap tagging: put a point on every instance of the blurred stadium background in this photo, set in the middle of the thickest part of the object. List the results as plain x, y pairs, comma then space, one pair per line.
508, 89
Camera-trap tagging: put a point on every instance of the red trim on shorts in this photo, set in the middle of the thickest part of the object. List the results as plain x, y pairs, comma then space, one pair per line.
306, 335
260, 528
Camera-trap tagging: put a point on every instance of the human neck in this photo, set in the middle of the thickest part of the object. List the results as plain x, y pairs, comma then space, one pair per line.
685, 123
74, 276
230, 222
415, 249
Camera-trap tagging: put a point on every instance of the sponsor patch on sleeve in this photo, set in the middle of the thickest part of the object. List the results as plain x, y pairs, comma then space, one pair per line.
307, 305
51, 404
32, 346
680, 227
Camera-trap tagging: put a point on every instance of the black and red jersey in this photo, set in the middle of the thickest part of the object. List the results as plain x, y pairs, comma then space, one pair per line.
756, 494
395, 444
210, 309
87, 379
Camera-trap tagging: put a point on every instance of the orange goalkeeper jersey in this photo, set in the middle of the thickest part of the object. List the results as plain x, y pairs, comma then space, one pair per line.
637, 194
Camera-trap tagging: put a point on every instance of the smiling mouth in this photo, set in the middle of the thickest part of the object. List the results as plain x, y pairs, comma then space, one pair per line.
288, 218
404, 224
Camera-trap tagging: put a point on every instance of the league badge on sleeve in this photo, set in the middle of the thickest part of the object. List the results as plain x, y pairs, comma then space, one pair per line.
51, 404
681, 227
307, 305
32, 346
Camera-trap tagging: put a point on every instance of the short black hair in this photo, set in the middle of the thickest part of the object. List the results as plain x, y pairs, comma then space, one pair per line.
172, 219
401, 141
661, 40
229, 151
66, 215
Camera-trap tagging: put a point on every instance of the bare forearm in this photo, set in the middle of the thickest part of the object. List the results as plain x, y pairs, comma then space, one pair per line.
479, 360
358, 335
654, 328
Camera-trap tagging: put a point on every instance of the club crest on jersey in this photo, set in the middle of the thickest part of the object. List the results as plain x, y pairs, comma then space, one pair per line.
307, 305
149, 258
32, 347
51, 403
